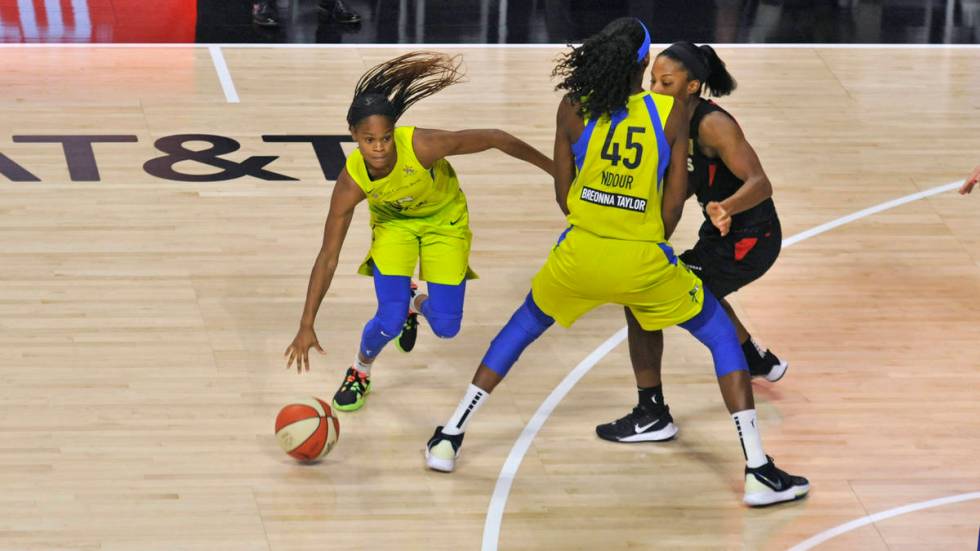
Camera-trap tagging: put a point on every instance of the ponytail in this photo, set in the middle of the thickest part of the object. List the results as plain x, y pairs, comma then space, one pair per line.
702, 63
720, 82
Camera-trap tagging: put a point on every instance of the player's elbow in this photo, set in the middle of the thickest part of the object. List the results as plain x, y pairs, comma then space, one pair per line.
562, 200
501, 139
765, 188
760, 185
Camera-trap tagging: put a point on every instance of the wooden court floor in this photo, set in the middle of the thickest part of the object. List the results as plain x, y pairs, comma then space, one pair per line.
142, 320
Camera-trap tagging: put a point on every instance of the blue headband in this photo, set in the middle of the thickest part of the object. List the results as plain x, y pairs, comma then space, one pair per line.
645, 47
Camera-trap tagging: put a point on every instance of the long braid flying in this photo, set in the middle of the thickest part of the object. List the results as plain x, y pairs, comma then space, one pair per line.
393, 86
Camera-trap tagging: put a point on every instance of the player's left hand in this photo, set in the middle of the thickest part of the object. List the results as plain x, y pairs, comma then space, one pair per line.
719, 217
971, 181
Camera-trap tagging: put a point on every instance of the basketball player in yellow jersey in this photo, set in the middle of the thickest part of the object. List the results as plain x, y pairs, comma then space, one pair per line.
621, 176
418, 214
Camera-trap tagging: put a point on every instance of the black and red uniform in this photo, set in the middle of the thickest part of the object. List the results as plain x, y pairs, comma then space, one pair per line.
726, 264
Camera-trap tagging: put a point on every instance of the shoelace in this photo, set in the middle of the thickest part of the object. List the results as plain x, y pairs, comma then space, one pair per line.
354, 383
629, 417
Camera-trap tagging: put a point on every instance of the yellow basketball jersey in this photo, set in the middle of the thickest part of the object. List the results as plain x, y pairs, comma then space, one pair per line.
409, 190
620, 162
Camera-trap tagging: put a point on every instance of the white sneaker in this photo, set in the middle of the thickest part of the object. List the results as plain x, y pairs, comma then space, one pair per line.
442, 450
768, 485
770, 368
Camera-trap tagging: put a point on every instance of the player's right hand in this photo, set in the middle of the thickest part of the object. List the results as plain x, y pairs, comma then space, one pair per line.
299, 350
971, 181
719, 217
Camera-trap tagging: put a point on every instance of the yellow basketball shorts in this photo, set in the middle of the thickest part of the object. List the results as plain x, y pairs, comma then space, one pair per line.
584, 271
443, 248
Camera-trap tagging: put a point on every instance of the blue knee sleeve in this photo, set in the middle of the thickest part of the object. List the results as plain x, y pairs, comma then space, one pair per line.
444, 309
713, 328
393, 293
524, 327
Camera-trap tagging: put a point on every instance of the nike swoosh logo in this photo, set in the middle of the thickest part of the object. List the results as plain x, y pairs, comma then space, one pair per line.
638, 428
778, 485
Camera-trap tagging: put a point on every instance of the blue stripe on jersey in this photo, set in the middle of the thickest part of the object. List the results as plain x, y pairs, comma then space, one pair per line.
663, 148
617, 117
562, 236
669, 253
581, 147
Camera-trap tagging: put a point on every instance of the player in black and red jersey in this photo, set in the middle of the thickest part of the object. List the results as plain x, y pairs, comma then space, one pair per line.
726, 176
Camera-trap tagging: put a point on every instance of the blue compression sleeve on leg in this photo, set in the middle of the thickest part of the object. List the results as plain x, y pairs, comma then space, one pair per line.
393, 293
713, 328
444, 308
525, 326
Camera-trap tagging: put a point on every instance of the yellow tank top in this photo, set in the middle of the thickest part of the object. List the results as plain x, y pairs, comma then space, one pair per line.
409, 190
620, 162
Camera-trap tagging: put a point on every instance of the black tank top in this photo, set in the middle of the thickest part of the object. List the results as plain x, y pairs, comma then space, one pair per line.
712, 181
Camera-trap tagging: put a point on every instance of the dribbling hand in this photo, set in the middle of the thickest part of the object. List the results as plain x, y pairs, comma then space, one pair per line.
971, 181
719, 217
299, 350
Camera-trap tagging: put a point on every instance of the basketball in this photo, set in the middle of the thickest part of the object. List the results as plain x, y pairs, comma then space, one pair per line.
307, 429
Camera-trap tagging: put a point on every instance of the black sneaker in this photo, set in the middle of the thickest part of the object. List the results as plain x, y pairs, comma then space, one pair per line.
769, 367
767, 485
264, 13
350, 395
339, 11
640, 425
410, 331
442, 450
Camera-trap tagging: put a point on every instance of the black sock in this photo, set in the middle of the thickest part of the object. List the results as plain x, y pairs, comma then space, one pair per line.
652, 398
752, 354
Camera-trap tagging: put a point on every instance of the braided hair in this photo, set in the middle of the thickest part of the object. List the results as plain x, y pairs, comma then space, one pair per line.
599, 74
390, 88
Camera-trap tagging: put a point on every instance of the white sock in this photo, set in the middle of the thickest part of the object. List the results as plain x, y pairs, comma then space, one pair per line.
364, 368
474, 398
748, 433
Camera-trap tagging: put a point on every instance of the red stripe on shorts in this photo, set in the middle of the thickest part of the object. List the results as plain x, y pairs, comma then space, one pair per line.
743, 246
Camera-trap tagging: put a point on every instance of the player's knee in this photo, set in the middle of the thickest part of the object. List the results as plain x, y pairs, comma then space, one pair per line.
525, 326
533, 319
445, 326
391, 319
715, 330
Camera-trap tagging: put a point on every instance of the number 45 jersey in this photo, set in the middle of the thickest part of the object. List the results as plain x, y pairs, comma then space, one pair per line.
620, 162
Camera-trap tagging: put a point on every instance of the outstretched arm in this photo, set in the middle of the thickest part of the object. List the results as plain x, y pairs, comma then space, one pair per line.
675, 181
432, 145
346, 196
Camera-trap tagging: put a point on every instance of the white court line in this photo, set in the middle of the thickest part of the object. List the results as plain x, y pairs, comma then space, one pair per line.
802, 236
224, 76
471, 45
864, 521
495, 513
498, 501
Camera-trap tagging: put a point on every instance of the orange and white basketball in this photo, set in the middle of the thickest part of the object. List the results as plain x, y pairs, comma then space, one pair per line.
307, 429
